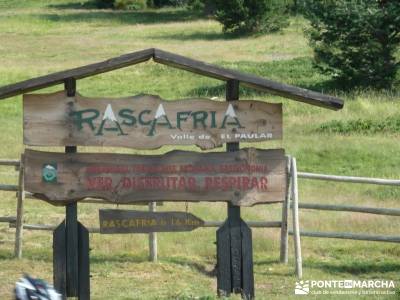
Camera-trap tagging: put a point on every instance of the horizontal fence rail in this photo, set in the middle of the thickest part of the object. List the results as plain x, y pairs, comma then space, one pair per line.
352, 179
253, 224
350, 236
359, 209
350, 208
9, 162
8, 219
9, 187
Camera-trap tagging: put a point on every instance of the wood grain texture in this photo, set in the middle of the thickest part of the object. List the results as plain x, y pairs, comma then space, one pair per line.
136, 221
77, 73
253, 81
244, 178
176, 61
58, 120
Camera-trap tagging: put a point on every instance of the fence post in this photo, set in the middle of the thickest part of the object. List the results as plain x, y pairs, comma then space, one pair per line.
285, 213
20, 211
153, 236
296, 226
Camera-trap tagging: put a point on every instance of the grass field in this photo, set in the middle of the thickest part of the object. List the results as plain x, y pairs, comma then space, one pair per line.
42, 36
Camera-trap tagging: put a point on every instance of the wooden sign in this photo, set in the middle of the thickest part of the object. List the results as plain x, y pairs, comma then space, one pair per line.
135, 221
245, 177
146, 122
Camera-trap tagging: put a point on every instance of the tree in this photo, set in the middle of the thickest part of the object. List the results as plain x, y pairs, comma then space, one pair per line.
250, 16
355, 40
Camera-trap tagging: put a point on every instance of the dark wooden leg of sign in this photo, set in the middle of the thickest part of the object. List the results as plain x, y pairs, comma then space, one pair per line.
83, 266
232, 93
236, 247
59, 260
234, 239
71, 245
224, 283
247, 262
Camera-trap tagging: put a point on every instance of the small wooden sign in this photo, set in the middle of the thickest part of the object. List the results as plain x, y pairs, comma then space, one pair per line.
135, 221
146, 122
245, 177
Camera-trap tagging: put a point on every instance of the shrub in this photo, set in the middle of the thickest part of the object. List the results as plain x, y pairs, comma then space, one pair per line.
161, 3
105, 3
251, 16
122, 4
355, 40
362, 126
207, 7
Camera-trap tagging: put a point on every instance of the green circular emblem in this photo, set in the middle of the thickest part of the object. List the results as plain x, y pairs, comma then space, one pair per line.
49, 173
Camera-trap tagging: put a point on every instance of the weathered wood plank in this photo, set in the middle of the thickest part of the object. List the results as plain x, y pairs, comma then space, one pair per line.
77, 73
136, 221
244, 178
252, 81
176, 61
146, 122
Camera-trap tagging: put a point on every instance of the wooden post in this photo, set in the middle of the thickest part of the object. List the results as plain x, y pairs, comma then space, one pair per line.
71, 222
20, 211
232, 94
234, 241
71, 244
285, 213
153, 236
296, 225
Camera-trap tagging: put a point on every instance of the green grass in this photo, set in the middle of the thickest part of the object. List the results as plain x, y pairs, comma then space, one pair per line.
39, 37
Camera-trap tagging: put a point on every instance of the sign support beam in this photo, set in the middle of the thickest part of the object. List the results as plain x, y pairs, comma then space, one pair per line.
234, 240
71, 243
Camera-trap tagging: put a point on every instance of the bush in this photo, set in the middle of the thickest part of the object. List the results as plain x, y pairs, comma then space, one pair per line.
251, 16
355, 40
362, 126
105, 3
161, 3
122, 4
207, 7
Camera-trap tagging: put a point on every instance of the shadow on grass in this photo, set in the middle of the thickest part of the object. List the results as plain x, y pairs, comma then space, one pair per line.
184, 262
75, 5
355, 268
109, 15
200, 35
118, 258
266, 262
